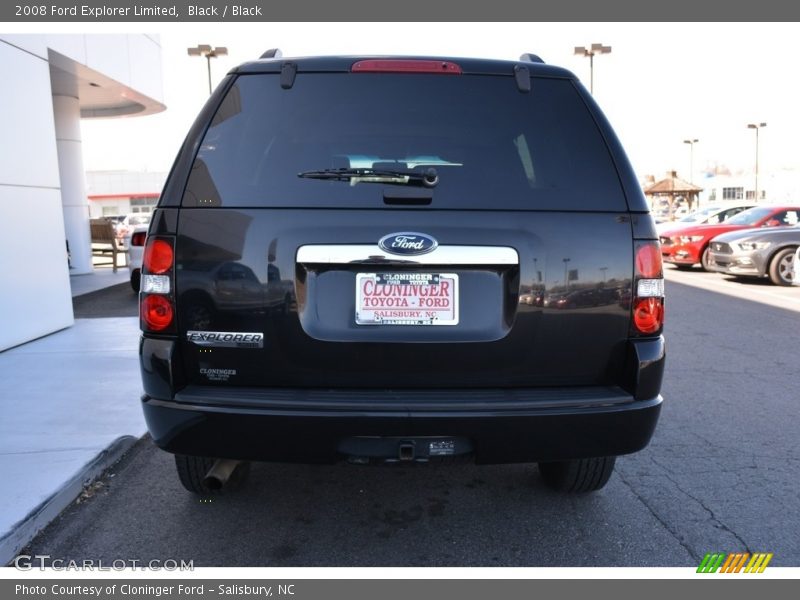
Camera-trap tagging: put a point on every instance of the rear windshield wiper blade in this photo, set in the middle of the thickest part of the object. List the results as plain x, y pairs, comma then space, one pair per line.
427, 179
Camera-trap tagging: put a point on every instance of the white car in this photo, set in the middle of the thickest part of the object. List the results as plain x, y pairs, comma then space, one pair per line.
797, 266
709, 215
134, 242
126, 225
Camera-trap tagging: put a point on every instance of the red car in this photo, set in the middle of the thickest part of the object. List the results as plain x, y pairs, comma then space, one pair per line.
689, 246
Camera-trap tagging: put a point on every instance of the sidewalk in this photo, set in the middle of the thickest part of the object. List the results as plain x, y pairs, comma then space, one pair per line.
70, 408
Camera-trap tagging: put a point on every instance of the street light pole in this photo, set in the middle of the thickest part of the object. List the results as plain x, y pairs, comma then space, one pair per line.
756, 126
691, 158
208, 52
691, 143
590, 52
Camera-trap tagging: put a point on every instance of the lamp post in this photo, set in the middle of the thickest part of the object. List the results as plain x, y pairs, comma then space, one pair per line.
590, 52
756, 126
691, 143
208, 52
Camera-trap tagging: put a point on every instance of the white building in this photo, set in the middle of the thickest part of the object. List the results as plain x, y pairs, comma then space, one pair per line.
774, 187
123, 192
50, 82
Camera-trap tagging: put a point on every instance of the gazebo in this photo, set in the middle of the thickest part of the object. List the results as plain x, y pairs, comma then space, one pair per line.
673, 187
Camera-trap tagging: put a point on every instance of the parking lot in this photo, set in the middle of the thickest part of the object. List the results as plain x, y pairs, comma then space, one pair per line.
721, 474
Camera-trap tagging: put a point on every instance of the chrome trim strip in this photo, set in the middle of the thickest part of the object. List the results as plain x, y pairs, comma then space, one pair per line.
342, 254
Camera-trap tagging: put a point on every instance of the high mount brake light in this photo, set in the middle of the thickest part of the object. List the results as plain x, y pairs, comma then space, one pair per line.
406, 66
648, 304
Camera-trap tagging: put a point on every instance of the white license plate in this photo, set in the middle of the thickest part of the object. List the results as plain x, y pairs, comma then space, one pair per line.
406, 299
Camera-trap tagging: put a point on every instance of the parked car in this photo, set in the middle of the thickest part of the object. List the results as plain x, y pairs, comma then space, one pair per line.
115, 219
128, 223
757, 253
708, 215
796, 267
134, 242
686, 247
405, 204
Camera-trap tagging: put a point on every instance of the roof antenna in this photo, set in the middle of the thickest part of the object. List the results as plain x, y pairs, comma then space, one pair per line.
529, 57
272, 53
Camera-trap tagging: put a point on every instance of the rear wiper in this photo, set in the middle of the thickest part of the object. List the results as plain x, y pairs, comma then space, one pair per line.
427, 179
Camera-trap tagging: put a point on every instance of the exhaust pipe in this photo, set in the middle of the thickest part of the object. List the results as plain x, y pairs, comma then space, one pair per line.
220, 472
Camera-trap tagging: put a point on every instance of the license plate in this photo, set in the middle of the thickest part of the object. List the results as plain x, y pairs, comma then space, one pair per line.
406, 299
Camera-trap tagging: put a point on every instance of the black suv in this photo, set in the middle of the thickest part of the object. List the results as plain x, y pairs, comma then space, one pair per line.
401, 260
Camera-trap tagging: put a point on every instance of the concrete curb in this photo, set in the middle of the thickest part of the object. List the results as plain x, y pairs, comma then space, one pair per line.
25, 530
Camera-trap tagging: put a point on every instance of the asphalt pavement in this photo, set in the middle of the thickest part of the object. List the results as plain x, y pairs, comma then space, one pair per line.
115, 301
722, 474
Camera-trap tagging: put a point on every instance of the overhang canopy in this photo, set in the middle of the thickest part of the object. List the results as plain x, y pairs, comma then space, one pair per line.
99, 95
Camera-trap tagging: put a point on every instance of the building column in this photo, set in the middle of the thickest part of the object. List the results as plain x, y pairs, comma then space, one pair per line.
75, 204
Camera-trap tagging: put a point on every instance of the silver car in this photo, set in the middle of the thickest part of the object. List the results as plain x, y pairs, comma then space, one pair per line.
757, 253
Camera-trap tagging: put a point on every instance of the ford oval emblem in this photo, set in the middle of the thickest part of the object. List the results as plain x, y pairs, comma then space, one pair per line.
408, 243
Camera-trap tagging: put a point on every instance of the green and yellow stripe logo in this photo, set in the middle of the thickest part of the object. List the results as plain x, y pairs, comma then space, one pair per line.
734, 562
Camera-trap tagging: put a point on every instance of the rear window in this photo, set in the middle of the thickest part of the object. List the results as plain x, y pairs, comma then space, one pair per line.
492, 146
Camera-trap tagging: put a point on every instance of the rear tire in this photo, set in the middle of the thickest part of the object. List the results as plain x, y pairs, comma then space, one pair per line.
577, 476
704, 260
781, 269
136, 280
192, 470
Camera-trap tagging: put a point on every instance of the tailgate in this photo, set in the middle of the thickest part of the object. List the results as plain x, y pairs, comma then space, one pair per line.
509, 298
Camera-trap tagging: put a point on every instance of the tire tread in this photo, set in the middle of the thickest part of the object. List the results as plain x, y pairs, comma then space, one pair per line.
578, 476
191, 472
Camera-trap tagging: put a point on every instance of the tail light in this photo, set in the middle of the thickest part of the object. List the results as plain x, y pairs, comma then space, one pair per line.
157, 307
138, 238
648, 297
158, 256
157, 312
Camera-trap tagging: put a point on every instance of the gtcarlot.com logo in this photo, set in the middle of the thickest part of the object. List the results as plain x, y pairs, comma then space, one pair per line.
26, 562
735, 562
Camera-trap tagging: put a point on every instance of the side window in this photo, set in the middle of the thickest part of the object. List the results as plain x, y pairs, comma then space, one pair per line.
225, 273
778, 219
731, 212
791, 217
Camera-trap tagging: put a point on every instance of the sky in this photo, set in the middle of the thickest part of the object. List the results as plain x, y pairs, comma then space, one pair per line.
661, 84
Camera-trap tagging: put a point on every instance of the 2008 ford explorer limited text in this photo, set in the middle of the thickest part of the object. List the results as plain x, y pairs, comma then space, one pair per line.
401, 260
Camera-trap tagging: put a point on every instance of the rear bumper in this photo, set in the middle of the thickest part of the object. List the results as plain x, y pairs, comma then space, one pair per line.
498, 426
